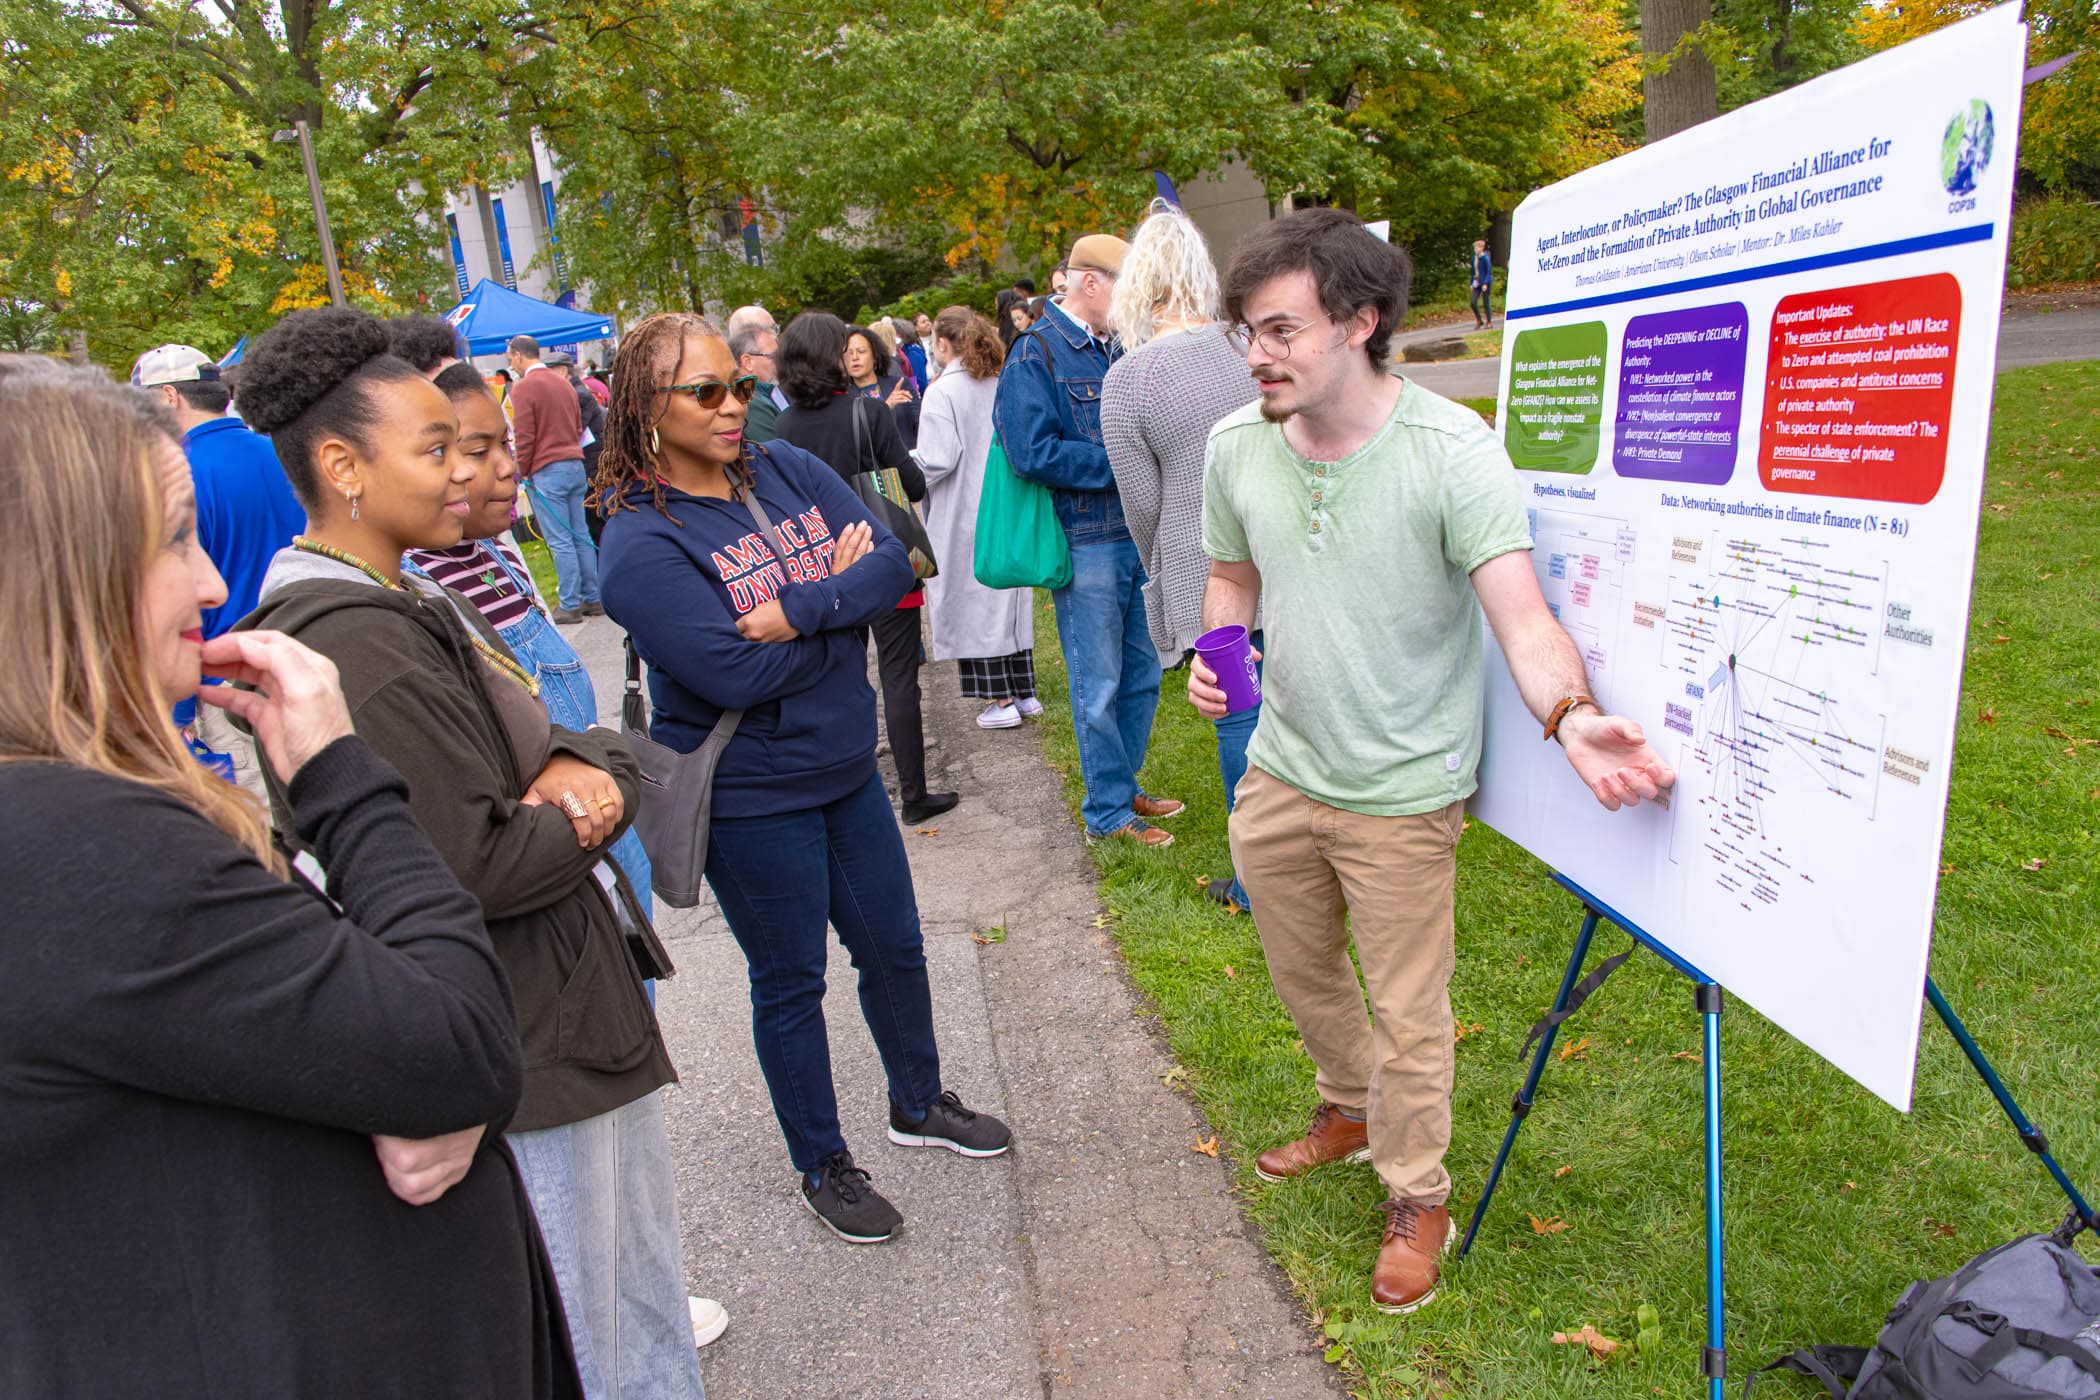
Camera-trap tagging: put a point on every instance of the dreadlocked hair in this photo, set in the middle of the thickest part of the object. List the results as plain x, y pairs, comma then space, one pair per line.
649, 357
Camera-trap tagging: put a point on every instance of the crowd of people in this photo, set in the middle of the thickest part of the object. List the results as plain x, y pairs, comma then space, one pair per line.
336, 968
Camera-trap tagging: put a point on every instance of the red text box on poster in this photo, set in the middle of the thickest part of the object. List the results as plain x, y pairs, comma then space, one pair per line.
1859, 382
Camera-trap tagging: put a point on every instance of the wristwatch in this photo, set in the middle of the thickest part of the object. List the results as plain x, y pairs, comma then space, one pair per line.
1560, 710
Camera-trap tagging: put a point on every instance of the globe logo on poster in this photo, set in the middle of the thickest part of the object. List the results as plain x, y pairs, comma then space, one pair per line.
1965, 148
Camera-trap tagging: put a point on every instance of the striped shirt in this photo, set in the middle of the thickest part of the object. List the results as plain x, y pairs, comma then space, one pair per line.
474, 570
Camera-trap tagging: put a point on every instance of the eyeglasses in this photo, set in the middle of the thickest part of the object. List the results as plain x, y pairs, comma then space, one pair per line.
1276, 344
709, 393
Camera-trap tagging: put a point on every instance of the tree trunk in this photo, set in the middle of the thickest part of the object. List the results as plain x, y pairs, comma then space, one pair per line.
1682, 95
77, 346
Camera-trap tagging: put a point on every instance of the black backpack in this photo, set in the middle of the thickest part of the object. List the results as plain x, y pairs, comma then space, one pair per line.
2021, 1322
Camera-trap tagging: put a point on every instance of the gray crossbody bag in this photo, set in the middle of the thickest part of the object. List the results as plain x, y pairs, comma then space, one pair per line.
678, 789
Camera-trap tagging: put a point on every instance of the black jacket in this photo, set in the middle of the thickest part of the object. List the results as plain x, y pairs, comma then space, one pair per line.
827, 432
194, 1055
419, 694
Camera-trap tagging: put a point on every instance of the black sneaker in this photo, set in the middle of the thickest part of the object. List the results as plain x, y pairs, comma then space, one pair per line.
929, 807
948, 1124
843, 1200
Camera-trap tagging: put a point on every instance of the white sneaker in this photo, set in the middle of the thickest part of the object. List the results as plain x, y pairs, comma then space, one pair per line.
1029, 706
999, 717
710, 1319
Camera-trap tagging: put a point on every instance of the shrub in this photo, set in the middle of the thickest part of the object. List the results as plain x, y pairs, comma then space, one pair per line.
2055, 238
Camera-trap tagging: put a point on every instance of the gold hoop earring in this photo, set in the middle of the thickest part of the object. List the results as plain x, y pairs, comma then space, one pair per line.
655, 445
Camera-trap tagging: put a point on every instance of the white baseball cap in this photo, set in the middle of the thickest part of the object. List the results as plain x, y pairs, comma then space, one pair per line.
173, 364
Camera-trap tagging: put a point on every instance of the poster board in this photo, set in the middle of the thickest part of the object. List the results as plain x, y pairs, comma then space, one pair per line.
1746, 382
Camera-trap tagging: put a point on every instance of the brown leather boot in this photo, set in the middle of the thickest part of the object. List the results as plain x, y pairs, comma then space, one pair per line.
1405, 1276
1332, 1138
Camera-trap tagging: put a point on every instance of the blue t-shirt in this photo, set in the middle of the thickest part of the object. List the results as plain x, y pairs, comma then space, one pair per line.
245, 514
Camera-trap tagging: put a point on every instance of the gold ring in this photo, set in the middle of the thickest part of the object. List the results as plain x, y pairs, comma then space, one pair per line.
604, 804
572, 806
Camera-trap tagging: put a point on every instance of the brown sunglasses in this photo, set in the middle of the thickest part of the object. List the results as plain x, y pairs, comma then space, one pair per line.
708, 393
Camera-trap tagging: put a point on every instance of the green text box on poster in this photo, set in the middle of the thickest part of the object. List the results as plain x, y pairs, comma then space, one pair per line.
1556, 398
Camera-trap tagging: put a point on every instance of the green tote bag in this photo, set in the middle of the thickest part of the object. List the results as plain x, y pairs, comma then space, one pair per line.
1019, 542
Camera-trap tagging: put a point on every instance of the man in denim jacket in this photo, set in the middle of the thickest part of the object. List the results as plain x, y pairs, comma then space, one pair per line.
1048, 414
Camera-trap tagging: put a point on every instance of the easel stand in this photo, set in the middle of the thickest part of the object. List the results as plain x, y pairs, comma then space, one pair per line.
1707, 997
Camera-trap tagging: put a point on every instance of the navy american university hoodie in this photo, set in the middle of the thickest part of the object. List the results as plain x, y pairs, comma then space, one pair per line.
678, 579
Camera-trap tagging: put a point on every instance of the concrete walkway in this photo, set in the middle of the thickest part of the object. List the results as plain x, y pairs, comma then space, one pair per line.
1101, 1258
2031, 333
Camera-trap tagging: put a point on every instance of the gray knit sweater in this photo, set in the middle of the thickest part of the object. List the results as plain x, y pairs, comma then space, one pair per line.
1158, 406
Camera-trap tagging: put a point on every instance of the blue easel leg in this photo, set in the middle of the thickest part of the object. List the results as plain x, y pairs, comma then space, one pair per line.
1522, 1105
1715, 1362
2029, 1134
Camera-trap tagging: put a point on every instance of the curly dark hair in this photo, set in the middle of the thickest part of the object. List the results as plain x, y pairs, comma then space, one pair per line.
1351, 268
877, 349
423, 341
808, 356
310, 376
649, 357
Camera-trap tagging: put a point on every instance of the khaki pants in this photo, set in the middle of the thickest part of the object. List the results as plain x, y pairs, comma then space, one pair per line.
1306, 865
216, 731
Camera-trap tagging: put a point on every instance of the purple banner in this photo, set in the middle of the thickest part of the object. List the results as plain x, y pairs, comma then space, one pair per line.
1681, 394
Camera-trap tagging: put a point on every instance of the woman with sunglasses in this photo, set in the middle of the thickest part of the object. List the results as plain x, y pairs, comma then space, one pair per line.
801, 835
818, 357
522, 810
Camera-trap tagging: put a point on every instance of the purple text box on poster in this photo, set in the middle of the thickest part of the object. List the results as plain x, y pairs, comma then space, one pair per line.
1681, 394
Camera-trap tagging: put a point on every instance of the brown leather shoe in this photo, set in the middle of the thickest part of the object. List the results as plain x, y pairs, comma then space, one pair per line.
1405, 1276
1156, 809
1151, 837
1332, 1138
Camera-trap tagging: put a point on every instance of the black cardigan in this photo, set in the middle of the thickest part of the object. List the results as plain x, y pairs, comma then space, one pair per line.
827, 432
193, 1056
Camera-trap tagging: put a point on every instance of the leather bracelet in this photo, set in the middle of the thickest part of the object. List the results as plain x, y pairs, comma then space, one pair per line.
1561, 709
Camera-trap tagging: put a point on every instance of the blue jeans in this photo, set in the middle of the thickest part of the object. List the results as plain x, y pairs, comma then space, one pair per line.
557, 491
1233, 733
607, 1204
779, 880
1114, 674
565, 689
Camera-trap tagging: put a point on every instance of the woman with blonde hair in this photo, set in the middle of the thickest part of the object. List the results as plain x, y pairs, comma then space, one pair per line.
1180, 373
988, 632
253, 1132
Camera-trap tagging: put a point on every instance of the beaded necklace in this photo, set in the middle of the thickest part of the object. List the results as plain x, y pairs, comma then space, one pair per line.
494, 657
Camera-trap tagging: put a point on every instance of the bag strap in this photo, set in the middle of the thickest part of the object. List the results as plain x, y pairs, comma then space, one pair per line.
2004, 1336
863, 440
1576, 998
1836, 1367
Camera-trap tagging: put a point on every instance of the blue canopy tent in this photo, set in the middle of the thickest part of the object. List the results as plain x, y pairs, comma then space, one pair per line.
492, 313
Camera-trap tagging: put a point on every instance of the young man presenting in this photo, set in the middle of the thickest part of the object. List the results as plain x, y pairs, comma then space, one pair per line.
1381, 521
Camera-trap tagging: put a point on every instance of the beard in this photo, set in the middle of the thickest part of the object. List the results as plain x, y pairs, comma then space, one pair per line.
1273, 411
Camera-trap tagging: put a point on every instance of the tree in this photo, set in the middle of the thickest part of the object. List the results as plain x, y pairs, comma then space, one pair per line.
1679, 90
142, 197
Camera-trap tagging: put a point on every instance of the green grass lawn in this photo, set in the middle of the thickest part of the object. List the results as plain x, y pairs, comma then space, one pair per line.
1834, 1201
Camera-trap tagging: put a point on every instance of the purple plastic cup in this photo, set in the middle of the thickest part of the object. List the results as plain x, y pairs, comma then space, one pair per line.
1225, 651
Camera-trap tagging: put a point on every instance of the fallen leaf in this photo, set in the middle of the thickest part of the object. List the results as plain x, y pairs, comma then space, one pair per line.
2036, 864
1175, 1077
2056, 476
1947, 867
2053, 732
1578, 1049
1461, 1030
1207, 1146
1559, 1172
1203, 882
1986, 715
1589, 1338
1850, 1186
2002, 510
1101, 921
1692, 1055
1229, 973
929, 831
1551, 1225
1941, 1228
